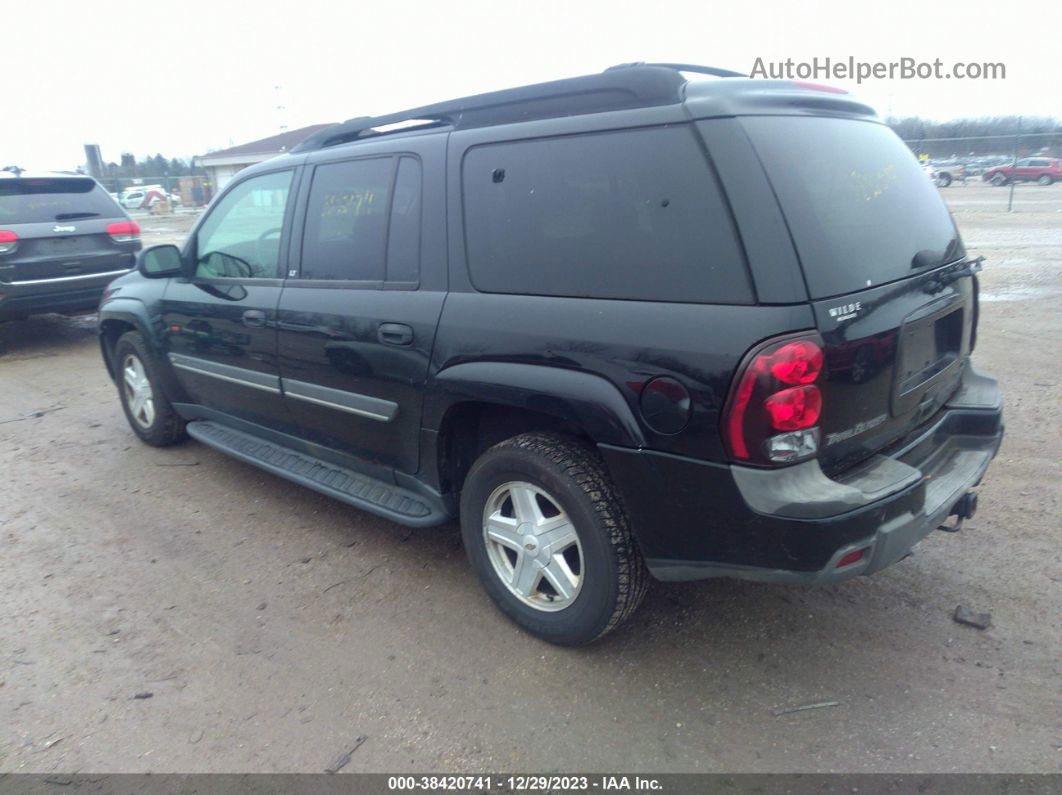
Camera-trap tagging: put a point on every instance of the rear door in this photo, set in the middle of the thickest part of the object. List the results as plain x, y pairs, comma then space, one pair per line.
61, 225
220, 326
357, 318
886, 271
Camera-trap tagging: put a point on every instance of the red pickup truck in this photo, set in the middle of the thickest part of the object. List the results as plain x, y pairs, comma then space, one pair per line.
1041, 170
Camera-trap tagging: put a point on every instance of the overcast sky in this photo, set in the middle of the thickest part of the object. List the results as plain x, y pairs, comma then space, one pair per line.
182, 77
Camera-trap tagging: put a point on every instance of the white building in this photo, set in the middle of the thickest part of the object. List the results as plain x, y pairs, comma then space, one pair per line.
223, 165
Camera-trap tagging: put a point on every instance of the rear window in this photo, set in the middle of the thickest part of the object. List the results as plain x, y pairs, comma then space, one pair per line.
28, 201
860, 209
634, 214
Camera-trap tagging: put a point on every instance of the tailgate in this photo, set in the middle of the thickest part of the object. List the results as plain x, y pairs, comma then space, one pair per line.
60, 227
77, 248
894, 355
893, 293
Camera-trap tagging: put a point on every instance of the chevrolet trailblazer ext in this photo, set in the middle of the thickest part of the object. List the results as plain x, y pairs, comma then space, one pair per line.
621, 325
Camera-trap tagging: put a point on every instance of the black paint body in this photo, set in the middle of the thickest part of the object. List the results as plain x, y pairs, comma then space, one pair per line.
387, 372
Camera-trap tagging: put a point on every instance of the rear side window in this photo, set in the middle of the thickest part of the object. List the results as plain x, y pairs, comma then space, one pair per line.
363, 221
403, 238
636, 214
30, 200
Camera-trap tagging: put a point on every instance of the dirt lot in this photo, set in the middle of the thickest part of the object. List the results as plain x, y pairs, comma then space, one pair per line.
273, 626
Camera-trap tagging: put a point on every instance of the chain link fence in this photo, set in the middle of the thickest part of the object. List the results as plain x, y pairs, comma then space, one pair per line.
1018, 172
139, 193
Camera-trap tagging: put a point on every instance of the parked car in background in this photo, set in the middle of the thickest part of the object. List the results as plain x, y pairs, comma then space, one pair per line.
142, 197
621, 325
1041, 170
62, 239
946, 173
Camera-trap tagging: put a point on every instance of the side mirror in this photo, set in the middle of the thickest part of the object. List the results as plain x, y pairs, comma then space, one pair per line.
160, 262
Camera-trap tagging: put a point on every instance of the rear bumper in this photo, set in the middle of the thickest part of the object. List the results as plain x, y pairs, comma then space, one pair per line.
697, 519
81, 292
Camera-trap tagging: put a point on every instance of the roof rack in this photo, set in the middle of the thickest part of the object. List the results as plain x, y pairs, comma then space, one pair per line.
683, 67
617, 88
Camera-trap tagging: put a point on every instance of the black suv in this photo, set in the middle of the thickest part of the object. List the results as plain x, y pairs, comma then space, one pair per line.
621, 325
62, 239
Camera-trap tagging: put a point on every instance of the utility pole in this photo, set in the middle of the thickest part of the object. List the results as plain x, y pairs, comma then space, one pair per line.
281, 114
1013, 181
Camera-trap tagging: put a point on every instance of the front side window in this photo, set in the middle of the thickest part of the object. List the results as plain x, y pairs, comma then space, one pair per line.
241, 236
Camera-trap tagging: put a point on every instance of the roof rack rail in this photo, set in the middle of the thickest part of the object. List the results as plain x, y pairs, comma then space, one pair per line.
683, 67
610, 90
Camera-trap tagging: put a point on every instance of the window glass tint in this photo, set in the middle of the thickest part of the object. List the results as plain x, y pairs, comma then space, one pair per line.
859, 207
241, 236
403, 239
634, 214
30, 201
346, 220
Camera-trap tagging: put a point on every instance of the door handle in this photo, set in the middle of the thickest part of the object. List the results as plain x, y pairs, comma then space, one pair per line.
254, 318
394, 334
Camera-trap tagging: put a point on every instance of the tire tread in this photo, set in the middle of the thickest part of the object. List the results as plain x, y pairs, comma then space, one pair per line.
587, 471
168, 428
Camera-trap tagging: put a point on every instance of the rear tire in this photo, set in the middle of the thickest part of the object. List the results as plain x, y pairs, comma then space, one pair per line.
944, 180
1045, 180
540, 509
150, 414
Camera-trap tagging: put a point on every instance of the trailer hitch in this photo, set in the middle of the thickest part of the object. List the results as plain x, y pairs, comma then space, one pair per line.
964, 508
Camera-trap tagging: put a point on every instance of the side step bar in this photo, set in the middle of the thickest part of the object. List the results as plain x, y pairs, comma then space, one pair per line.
385, 499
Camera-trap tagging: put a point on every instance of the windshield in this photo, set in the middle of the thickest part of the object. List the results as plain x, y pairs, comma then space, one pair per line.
859, 207
28, 201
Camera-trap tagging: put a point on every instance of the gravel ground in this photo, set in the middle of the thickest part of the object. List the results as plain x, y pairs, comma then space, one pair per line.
272, 626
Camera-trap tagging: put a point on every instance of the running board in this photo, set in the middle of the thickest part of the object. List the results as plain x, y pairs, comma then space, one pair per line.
385, 499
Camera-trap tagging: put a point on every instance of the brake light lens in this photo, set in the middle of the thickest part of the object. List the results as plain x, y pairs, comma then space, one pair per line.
818, 87
797, 363
772, 415
8, 241
123, 231
794, 409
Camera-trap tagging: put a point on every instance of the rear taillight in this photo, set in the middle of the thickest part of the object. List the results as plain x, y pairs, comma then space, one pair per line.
8, 241
123, 231
772, 415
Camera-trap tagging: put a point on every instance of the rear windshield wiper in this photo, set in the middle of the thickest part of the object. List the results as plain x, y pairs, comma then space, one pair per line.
968, 268
927, 258
72, 216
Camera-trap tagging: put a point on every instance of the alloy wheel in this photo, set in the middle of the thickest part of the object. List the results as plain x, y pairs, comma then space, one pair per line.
533, 546
137, 389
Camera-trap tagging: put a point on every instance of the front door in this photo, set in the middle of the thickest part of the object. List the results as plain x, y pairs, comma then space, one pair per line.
220, 326
357, 319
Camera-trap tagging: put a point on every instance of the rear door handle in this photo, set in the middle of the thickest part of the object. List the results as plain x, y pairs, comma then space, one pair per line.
394, 334
254, 318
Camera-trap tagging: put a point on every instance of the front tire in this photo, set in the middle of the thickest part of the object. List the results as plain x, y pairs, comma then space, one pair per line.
1045, 180
150, 414
944, 180
998, 180
549, 539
